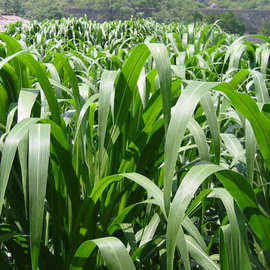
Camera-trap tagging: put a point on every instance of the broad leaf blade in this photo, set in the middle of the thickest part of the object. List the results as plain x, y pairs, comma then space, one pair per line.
39, 151
182, 112
10, 146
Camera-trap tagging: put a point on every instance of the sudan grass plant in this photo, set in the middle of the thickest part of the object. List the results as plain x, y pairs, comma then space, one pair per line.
133, 145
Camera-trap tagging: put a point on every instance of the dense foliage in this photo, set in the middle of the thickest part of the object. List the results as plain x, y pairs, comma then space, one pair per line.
265, 29
228, 21
164, 9
133, 145
183, 11
118, 9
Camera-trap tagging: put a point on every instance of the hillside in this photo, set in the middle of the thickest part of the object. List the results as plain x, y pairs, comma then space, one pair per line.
133, 145
163, 10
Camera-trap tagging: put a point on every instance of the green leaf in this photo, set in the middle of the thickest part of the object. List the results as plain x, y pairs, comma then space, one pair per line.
199, 255
81, 255
106, 91
10, 146
182, 112
199, 138
209, 110
3, 104
251, 145
237, 252
183, 249
245, 105
233, 146
244, 195
240, 191
27, 98
126, 86
163, 65
62, 62
189, 185
260, 87
39, 152
113, 251
37, 70
148, 185
194, 232
225, 241
150, 229
82, 114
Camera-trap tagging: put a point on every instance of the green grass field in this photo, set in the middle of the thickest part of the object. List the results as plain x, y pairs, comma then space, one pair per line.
133, 145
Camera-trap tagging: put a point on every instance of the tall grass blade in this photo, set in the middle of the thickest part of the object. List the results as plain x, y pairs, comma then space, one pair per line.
112, 250
8, 153
199, 255
245, 105
163, 65
251, 146
106, 92
209, 110
182, 112
39, 152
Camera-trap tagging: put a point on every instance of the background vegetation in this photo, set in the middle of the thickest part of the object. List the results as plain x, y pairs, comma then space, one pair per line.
228, 21
172, 10
265, 29
133, 145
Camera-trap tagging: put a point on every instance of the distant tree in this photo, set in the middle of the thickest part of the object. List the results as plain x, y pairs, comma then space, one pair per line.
265, 29
145, 3
178, 10
44, 9
115, 9
7, 6
13, 7
229, 22
17, 7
